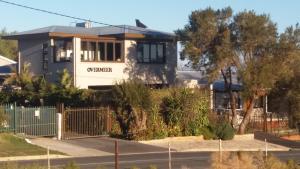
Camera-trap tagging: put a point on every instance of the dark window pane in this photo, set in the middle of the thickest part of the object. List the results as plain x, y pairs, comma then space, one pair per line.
118, 52
140, 52
63, 50
84, 53
110, 51
146, 51
153, 53
160, 52
102, 51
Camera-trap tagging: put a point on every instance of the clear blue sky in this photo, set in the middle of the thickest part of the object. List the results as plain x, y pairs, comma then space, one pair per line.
165, 15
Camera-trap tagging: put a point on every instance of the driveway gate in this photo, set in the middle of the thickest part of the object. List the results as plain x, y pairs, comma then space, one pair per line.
31, 121
85, 122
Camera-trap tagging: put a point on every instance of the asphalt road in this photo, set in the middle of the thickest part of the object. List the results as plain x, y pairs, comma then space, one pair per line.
191, 160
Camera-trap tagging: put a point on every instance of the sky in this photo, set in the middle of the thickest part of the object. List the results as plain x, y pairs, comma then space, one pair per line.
163, 15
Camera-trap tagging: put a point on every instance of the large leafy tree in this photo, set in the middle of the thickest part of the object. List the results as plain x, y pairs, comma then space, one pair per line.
246, 43
286, 94
8, 48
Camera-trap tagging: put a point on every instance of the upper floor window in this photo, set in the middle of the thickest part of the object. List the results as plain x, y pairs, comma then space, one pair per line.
101, 51
151, 52
63, 50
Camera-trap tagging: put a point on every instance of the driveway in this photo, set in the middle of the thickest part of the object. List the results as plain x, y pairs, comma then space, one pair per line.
107, 144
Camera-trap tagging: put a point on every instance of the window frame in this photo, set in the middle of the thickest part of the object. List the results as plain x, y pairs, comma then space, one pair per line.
54, 50
140, 46
105, 42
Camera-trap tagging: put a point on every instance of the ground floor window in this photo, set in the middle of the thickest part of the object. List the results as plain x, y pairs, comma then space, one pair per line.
62, 50
101, 51
151, 52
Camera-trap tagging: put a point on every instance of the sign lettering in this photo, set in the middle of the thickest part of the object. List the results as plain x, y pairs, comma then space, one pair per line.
99, 69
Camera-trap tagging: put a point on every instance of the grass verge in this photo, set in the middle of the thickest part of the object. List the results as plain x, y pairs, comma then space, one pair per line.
11, 145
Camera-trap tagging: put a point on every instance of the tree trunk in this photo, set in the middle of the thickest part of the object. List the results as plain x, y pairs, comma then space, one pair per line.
248, 109
233, 109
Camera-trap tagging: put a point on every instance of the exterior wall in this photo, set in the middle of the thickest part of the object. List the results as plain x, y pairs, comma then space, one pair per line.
31, 52
129, 69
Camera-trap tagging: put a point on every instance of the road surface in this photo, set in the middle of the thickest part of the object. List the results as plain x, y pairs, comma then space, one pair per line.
191, 160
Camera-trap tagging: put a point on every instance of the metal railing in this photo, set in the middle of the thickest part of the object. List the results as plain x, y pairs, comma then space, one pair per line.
32, 121
86, 122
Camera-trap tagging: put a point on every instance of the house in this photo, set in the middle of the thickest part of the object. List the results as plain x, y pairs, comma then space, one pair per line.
219, 97
99, 56
7, 68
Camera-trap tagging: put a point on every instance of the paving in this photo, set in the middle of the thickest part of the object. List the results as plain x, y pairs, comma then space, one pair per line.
67, 148
276, 140
107, 144
184, 145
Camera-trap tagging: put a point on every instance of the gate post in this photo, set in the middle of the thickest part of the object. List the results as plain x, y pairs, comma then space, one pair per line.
60, 111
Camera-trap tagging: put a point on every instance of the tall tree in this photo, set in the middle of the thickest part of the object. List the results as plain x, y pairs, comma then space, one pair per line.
8, 48
246, 43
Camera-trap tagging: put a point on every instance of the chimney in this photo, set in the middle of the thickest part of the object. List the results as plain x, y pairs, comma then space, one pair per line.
86, 24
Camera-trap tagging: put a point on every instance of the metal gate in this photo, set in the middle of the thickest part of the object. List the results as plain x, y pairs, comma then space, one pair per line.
31, 121
85, 122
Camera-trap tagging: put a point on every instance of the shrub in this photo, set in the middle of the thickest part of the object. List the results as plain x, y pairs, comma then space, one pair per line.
131, 100
218, 130
185, 111
3, 117
225, 131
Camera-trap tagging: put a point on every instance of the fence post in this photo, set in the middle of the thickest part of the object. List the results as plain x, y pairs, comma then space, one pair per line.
266, 149
15, 117
59, 125
220, 151
116, 155
60, 117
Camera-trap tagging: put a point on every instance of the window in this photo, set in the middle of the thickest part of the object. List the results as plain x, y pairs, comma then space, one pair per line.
101, 51
89, 51
63, 50
110, 51
151, 52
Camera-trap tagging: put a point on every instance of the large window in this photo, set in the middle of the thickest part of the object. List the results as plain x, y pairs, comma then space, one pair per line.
63, 50
101, 51
151, 52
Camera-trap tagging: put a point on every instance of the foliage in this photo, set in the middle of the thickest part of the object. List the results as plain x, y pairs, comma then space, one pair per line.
8, 48
185, 112
249, 160
131, 100
287, 89
245, 44
3, 117
35, 91
225, 131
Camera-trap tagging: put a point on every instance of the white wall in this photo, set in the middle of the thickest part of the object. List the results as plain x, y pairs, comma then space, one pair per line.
129, 69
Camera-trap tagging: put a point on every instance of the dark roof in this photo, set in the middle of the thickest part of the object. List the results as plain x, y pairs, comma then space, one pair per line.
220, 86
7, 69
96, 31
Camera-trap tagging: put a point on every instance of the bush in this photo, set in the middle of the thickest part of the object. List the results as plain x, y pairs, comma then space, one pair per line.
222, 130
185, 111
225, 131
3, 117
131, 102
